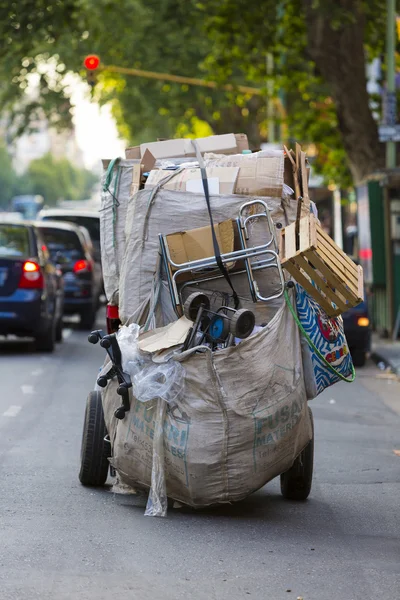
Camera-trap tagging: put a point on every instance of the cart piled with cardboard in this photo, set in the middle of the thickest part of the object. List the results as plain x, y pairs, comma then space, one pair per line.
203, 396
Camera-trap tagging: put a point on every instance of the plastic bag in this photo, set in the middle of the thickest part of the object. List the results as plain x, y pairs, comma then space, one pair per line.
157, 503
159, 380
127, 340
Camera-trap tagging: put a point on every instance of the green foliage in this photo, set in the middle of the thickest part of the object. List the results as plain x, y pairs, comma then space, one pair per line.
8, 178
56, 180
223, 40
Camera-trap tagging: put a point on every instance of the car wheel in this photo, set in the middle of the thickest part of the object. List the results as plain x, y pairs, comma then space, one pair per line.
59, 330
95, 451
45, 341
296, 482
359, 357
88, 318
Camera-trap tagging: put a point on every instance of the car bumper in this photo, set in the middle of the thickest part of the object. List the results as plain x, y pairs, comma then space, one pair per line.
358, 337
23, 313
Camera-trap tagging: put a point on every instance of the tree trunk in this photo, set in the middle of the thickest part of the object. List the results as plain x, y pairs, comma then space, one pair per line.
339, 56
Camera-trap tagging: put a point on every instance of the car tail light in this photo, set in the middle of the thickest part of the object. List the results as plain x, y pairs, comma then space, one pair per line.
32, 276
363, 321
113, 322
112, 311
82, 266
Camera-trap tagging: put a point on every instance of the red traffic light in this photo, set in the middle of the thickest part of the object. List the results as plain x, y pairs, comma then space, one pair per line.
91, 62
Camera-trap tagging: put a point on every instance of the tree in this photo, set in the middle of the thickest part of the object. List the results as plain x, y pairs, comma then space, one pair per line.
320, 49
56, 180
8, 178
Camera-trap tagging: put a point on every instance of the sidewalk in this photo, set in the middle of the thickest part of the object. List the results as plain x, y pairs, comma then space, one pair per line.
387, 352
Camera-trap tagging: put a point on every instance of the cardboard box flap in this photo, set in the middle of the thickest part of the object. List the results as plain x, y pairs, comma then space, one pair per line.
227, 143
222, 180
196, 244
260, 174
161, 338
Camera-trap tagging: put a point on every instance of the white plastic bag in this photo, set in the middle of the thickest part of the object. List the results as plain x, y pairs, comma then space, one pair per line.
157, 503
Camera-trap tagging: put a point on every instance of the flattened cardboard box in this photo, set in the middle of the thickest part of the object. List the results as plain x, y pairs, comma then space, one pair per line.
140, 167
228, 143
226, 177
260, 174
196, 244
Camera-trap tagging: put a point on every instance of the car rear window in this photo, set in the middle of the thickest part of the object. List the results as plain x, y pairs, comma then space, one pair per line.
62, 244
92, 224
14, 240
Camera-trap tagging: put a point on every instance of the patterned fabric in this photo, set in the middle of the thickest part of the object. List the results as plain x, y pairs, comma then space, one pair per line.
327, 335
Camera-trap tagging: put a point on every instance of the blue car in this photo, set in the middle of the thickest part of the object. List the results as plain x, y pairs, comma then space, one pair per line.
31, 286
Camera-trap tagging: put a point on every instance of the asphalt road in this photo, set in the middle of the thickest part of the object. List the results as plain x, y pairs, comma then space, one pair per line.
61, 541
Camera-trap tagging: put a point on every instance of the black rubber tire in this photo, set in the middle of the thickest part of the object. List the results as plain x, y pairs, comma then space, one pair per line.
359, 357
88, 318
296, 482
242, 323
46, 341
95, 451
193, 303
59, 330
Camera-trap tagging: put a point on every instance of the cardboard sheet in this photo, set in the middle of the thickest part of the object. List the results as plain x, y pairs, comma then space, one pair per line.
165, 337
228, 143
260, 174
197, 243
189, 180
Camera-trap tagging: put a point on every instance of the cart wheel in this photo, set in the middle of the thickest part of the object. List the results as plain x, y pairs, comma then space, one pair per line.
193, 303
95, 451
296, 482
218, 329
242, 323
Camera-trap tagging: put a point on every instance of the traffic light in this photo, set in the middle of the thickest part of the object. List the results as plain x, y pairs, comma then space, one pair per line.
91, 64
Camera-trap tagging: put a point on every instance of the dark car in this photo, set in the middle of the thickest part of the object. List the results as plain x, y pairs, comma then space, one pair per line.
82, 218
83, 282
358, 333
31, 286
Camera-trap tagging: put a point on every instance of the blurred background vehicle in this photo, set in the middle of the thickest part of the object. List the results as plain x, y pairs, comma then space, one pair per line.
358, 333
27, 205
31, 286
82, 218
69, 247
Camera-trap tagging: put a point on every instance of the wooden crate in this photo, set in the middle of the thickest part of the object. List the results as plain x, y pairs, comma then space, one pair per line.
320, 266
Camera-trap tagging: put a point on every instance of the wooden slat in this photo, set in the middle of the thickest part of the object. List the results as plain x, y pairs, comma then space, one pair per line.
338, 266
308, 286
337, 253
340, 269
305, 265
304, 183
341, 275
290, 241
360, 283
329, 240
333, 281
304, 233
313, 231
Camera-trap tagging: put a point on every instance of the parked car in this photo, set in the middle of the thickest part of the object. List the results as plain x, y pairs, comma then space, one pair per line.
358, 333
31, 286
82, 218
83, 281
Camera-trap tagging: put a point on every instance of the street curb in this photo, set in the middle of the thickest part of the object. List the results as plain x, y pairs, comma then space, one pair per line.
378, 357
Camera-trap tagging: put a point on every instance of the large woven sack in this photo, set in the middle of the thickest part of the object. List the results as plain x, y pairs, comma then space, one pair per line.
152, 212
241, 421
115, 196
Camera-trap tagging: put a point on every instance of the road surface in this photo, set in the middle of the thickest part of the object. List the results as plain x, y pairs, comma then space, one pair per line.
60, 541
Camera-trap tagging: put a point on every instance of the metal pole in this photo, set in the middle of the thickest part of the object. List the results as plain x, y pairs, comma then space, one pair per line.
390, 77
390, 151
